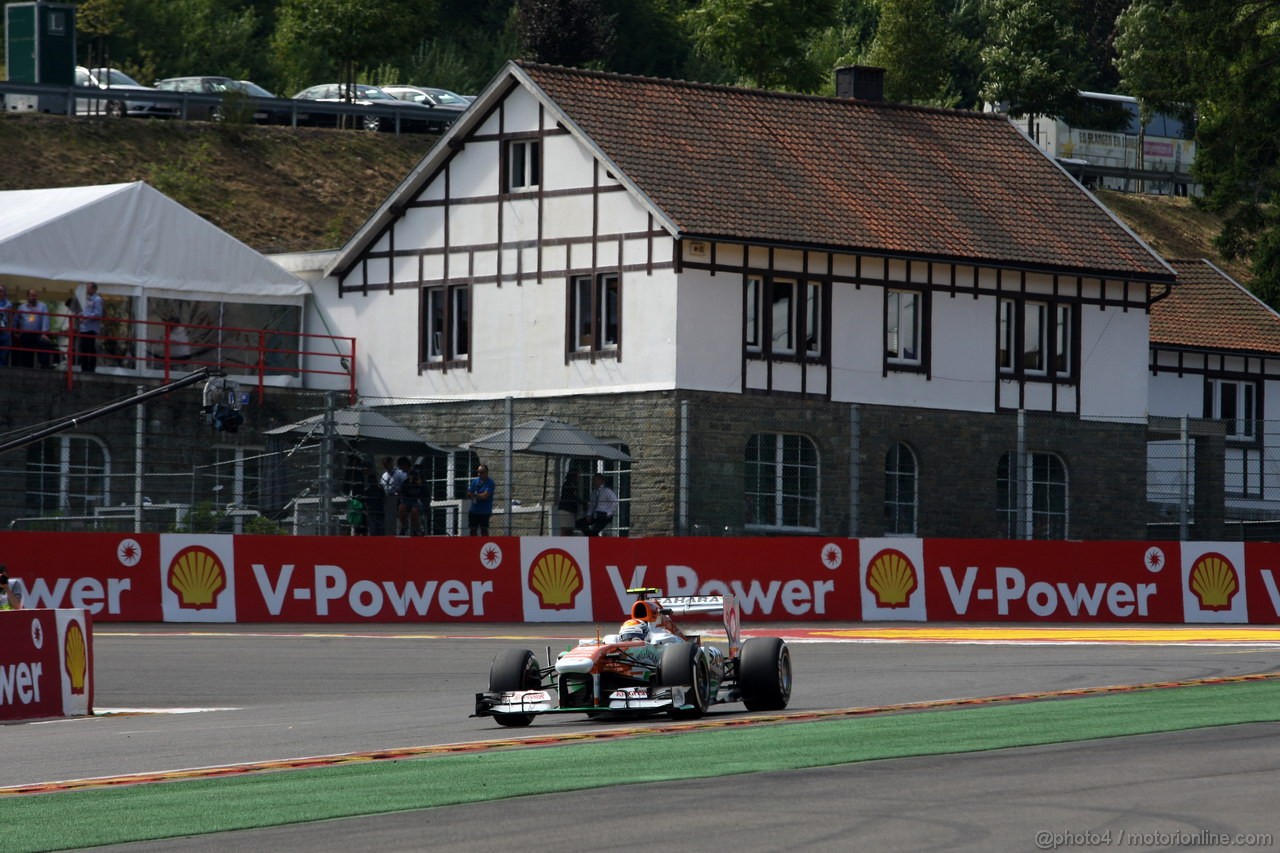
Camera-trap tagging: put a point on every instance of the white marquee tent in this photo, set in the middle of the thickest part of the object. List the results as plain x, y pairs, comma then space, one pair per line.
127, 236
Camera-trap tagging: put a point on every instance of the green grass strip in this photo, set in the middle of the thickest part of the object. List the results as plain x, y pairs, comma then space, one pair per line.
106, 816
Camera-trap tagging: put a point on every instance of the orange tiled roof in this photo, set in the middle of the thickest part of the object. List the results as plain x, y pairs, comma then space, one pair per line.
1210, 310
750, 165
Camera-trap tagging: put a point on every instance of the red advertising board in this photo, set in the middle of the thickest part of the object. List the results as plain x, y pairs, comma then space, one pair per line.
1043, 581
218, 578
46, 664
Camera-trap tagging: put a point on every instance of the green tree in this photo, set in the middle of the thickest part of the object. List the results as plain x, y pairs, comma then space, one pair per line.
913, 44
1032, 60
762, 42
1218, 60
319, 39
655, 44
574, 33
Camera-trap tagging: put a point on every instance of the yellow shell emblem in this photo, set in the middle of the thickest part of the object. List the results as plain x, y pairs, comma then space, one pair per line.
75, 657
892, 578
196, 575
556, 578
1213, 580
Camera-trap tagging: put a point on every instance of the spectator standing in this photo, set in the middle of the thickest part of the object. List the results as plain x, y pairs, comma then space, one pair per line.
600, 508
568, 505
480, 493
391, 480
6, 321
414, 503
10, 592
372, 496
89, 328
31, 323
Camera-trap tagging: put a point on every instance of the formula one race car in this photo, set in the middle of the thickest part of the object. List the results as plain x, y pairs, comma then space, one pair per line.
649, 666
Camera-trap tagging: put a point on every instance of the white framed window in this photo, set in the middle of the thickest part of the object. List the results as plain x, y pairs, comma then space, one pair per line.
523, 164
902, 327
1032, 499
1035, 338
595, 312
781, 482
900, 491
786, 314
1234, 402
446, 323
751, 331
68, 475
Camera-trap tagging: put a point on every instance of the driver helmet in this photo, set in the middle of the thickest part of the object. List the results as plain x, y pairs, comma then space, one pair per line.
633, 629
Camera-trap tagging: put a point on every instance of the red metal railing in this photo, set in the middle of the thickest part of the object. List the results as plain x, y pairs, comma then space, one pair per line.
161, 349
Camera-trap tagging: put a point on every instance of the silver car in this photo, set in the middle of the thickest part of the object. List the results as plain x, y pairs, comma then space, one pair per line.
124, 100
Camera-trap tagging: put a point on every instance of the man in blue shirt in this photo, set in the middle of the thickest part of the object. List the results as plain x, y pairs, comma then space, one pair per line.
480, 493
89, 328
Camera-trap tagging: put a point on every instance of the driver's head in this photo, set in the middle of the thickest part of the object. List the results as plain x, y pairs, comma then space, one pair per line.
633, 629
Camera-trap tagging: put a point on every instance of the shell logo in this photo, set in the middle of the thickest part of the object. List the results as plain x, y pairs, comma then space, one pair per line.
75, 658
196, 576
1214, 582
556, 578
892, 578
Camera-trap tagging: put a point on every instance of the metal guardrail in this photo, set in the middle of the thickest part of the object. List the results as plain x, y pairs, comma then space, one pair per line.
185, 100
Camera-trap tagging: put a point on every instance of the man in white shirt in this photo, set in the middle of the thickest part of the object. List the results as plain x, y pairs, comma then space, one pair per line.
600, 509
391, 481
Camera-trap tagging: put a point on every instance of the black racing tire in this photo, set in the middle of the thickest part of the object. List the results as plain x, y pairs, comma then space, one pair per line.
114, 109
514, 669
217, 113
764, 674
371, 123
683, 665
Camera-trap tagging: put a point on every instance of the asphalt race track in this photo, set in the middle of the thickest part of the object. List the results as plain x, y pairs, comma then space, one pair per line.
173, 698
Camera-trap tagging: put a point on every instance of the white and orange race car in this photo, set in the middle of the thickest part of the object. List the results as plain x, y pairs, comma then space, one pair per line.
649, 666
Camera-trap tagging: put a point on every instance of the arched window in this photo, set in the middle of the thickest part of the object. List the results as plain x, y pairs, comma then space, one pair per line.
68, 475
782, 482
1032, 504
900, 492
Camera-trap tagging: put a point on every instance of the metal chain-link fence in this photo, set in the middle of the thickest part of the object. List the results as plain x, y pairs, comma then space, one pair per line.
681, 463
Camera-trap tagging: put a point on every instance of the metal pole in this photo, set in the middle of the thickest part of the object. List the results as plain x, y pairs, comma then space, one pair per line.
139, 423
1184, 432
683, 485
511, 438
1023, 479
855, 469
326, 466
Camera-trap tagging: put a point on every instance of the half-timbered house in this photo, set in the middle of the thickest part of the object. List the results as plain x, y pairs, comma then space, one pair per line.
799, 314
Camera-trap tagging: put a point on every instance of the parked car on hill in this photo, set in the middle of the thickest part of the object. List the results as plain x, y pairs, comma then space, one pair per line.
441, 99
413, 117
127, 104
235, 99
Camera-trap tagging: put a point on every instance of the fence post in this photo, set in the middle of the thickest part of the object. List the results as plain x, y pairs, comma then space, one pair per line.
1184, 445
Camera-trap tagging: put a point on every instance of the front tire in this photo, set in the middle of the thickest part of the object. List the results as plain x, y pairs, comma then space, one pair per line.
514, 669
115, 109
372, 123
764, 674
683, 665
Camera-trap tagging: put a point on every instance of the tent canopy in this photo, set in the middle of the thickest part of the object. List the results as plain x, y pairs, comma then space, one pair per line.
364, 430
131, 234
548, 437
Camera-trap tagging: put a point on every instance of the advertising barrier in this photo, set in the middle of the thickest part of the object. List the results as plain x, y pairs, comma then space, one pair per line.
290, 579
46, 664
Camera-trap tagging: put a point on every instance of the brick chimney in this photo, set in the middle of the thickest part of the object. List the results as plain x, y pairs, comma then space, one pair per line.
863, 82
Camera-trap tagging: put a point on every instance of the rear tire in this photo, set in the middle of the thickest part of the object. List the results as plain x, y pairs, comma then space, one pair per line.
764, 674
514, 669
682, 665
115, 109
